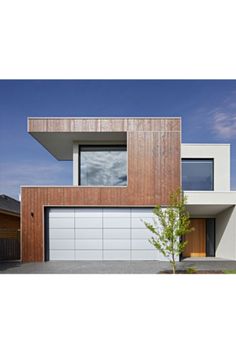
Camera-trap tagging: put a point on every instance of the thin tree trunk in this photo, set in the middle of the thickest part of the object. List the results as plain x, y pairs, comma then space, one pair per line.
173, 268
173, 264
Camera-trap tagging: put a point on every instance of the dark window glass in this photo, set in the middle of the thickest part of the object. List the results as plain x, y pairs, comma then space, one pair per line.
197, 174
103, 165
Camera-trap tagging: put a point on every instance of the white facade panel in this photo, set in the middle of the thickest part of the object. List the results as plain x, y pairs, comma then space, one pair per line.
139, 222
61, 233
86, 222
62, 244
88, 244
116, 222
142, 233
116, 255
116, 244
146, 255
141, 244
61, 223
83, 233
89, 255
122, 233
62, 255
88, 213
57, 212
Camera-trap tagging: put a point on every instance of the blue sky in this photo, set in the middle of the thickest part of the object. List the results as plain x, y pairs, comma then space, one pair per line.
207, 108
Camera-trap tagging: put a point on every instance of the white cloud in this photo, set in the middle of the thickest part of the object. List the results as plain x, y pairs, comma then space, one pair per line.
222, 118
224, 125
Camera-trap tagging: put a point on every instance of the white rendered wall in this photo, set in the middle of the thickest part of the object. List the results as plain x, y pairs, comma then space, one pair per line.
226, 234
221, 155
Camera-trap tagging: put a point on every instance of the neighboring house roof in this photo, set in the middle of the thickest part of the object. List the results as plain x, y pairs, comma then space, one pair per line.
9, 205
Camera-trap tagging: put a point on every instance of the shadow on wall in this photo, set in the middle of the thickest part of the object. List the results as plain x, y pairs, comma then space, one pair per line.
225, 234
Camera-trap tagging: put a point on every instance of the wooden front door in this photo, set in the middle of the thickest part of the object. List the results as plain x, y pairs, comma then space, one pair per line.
196, 246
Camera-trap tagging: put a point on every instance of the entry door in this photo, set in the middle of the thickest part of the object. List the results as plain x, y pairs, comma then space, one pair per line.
196, 246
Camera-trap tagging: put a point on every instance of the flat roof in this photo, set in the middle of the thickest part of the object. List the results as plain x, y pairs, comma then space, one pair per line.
57, 134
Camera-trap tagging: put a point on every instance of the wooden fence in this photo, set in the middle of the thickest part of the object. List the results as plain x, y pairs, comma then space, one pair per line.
9, 244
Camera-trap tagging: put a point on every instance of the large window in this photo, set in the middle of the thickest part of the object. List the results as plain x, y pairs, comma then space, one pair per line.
103, 165
197, 174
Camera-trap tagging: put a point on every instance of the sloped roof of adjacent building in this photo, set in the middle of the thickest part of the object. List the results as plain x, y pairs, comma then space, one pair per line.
9, 205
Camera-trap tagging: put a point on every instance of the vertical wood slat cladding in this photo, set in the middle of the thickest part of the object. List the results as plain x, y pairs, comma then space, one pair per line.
104, 124
153, 147
196, 246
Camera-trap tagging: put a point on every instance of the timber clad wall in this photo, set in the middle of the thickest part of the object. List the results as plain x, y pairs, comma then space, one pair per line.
153, 147
9, 221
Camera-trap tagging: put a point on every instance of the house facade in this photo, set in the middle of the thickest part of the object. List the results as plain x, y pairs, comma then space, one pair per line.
122, 168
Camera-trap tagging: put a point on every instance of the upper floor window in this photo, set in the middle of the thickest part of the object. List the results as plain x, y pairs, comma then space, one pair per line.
103, 165
197, 174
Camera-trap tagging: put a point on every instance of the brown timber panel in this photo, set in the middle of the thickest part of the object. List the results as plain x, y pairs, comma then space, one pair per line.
94, 125
9, 221
196, 246
153, 147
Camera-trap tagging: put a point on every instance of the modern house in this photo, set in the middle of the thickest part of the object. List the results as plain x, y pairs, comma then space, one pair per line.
122, 168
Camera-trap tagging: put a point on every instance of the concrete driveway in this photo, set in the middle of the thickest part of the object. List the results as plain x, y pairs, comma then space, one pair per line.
111, 267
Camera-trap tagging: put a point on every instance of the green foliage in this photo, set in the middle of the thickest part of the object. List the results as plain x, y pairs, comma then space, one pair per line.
170, 225
191, 270
229, 272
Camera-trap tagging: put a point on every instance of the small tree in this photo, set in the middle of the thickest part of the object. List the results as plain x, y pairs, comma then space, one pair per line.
170, 225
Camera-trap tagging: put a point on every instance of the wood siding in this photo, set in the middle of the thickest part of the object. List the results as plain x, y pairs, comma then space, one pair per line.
196, 246
153, 147
9, 221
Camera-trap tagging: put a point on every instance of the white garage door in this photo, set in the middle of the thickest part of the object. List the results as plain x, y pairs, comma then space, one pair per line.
100, 234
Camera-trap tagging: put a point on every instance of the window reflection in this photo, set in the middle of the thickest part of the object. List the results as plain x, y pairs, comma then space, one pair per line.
197, 174
103, 165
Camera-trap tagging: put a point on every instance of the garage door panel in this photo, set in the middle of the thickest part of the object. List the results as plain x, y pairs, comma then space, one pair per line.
61, 213
62, 233
61, 223
88, 233
116, 255
88, 213
116, 233
145, 255
116, 222
141, 244
86, 222
139, 223
142, 233
95, 255
62, 244
88, 244
116, 244
100, 234
62, 255
116, 212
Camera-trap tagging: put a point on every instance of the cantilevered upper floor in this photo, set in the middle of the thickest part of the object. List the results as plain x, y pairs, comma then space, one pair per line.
103, 151
137, 160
